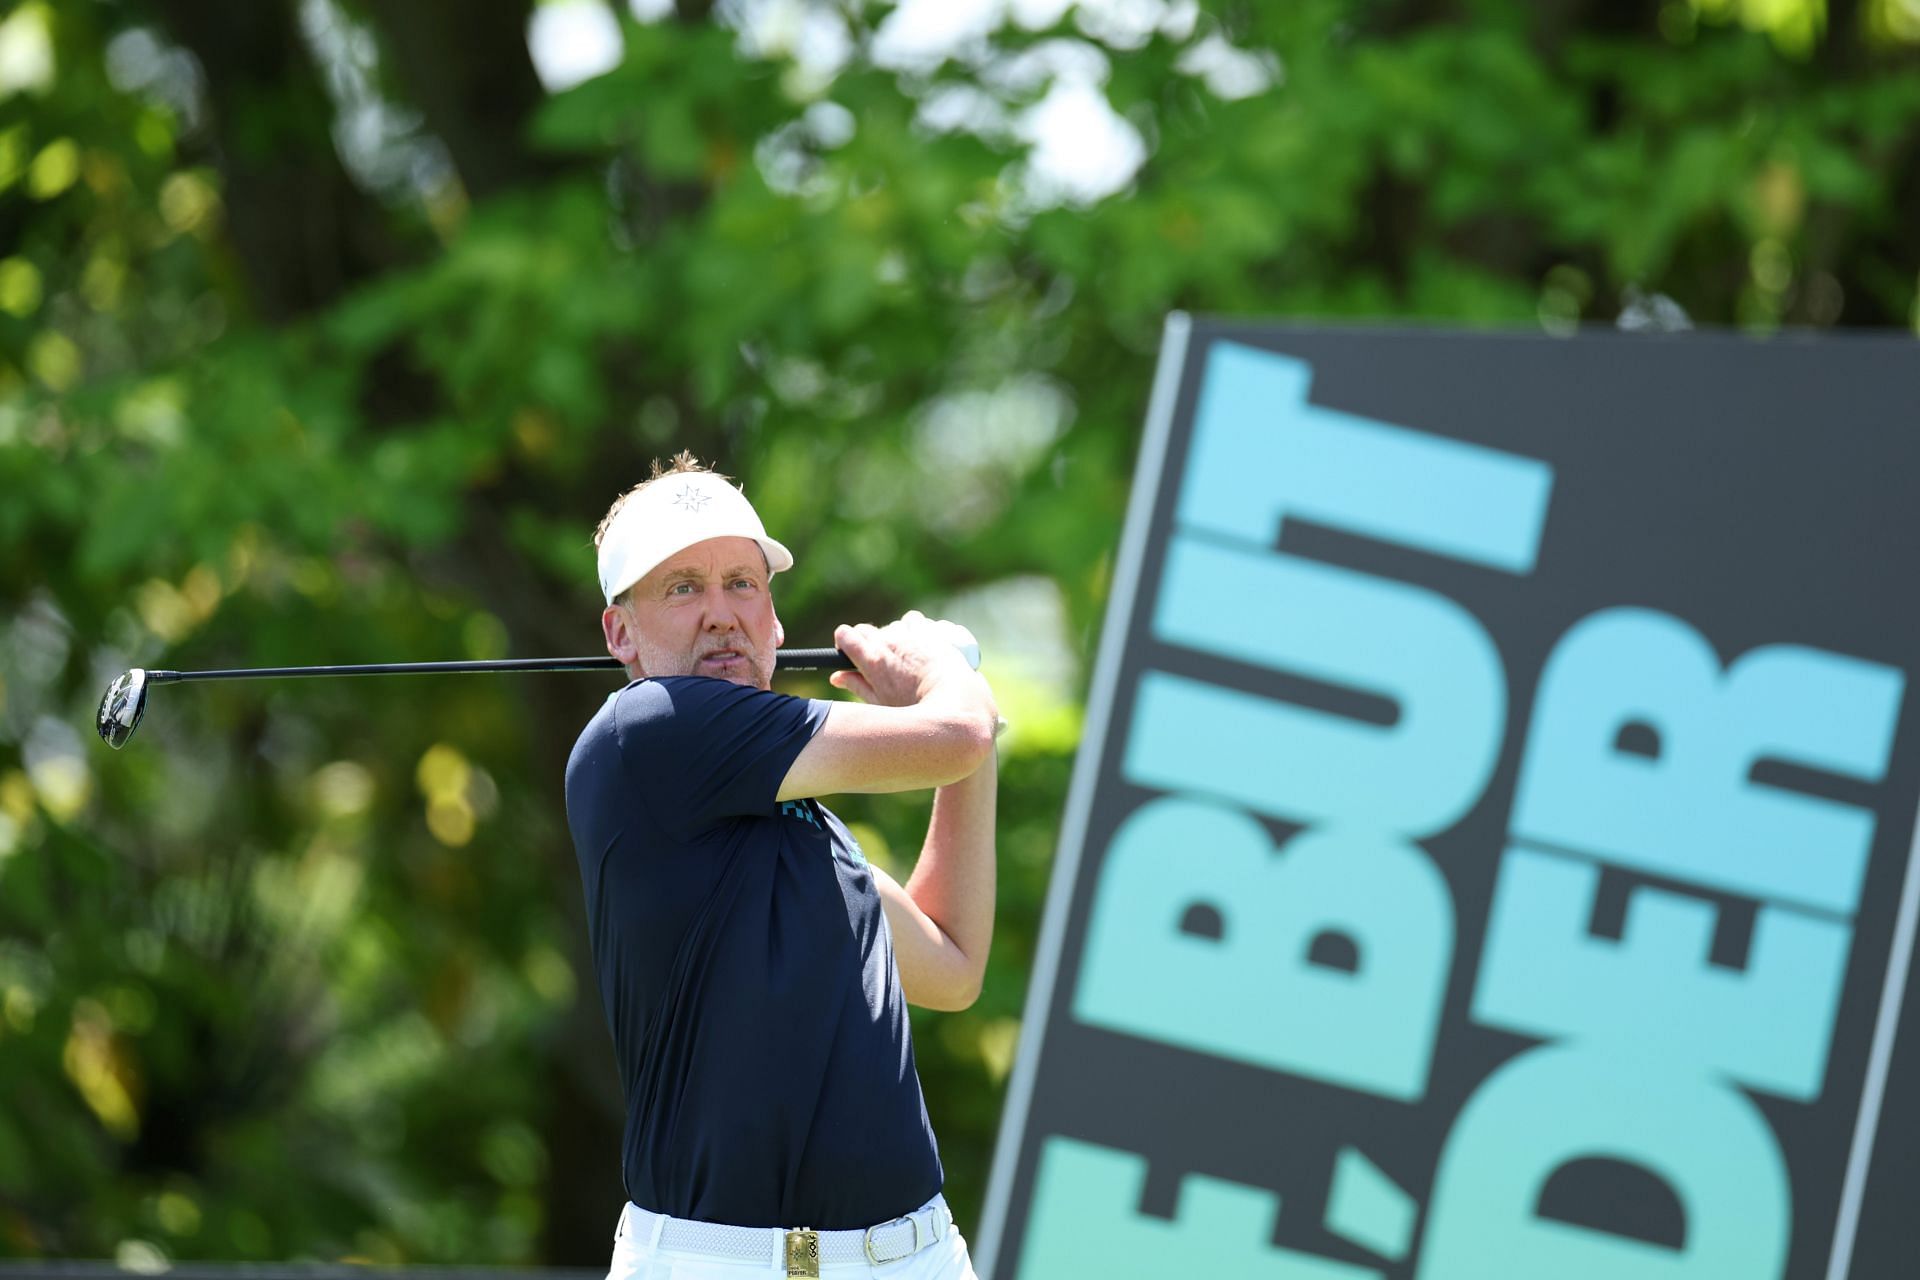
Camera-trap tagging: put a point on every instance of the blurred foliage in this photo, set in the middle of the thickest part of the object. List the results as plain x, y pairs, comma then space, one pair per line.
327, 334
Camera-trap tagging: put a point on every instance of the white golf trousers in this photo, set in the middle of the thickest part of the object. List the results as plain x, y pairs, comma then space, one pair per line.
637, 1255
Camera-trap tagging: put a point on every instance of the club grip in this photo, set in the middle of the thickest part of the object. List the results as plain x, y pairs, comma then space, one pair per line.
834, 660
812, 660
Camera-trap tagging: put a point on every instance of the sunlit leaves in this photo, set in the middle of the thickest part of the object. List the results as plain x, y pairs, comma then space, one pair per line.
1894, 21
27, 62
1794, 25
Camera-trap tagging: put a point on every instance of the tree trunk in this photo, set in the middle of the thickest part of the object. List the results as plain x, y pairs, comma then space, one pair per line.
465, 64
303, 231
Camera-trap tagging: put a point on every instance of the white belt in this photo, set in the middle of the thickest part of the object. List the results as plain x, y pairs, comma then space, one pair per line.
891, 1241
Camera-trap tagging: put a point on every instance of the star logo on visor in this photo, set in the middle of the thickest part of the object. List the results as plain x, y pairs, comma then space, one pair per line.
691, 498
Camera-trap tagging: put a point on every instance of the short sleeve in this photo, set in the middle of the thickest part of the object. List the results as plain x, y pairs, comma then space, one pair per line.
701, 751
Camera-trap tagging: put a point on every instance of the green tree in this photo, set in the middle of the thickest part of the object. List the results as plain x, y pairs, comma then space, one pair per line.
327, 333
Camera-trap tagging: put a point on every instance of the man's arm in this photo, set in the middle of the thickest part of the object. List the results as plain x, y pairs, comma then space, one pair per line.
942, 920
930, 722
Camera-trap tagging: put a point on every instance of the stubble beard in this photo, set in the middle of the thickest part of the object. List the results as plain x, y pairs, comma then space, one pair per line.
749, 667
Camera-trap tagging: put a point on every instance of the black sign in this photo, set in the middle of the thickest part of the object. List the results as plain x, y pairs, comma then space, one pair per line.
1492, 850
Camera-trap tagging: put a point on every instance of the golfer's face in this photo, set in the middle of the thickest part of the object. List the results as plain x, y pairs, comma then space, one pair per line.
707, 611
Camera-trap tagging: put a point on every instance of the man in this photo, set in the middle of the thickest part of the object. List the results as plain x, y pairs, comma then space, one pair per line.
755, 968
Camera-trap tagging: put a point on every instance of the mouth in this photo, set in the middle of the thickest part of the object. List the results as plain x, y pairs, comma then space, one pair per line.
722, 658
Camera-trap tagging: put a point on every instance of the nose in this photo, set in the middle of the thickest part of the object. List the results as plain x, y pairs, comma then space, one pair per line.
722, 615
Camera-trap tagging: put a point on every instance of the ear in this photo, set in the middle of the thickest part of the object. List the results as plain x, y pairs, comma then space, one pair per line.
779, 633
617, 627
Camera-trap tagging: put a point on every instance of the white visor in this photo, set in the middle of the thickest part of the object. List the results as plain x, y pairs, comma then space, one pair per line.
670, 515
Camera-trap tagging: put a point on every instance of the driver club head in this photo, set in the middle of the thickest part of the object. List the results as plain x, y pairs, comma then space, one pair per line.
121, 709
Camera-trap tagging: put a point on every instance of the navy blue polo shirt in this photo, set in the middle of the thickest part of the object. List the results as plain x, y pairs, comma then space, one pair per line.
746, 968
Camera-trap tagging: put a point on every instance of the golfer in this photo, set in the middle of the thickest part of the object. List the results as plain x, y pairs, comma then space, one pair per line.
755, 968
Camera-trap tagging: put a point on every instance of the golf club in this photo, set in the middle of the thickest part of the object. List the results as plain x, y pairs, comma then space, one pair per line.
126, 698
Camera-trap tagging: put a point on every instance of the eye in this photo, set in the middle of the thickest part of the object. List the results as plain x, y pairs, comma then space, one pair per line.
680, 589
745, 584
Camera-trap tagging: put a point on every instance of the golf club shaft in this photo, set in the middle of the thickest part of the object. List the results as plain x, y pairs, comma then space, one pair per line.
784, 660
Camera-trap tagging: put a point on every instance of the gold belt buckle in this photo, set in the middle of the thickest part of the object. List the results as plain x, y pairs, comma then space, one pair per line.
803, 1252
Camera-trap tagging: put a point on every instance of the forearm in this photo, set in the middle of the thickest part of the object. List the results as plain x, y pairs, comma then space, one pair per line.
953, 882
962, 705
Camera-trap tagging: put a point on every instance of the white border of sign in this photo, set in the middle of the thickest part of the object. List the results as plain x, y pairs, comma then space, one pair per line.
1879, 1063
1086, 771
